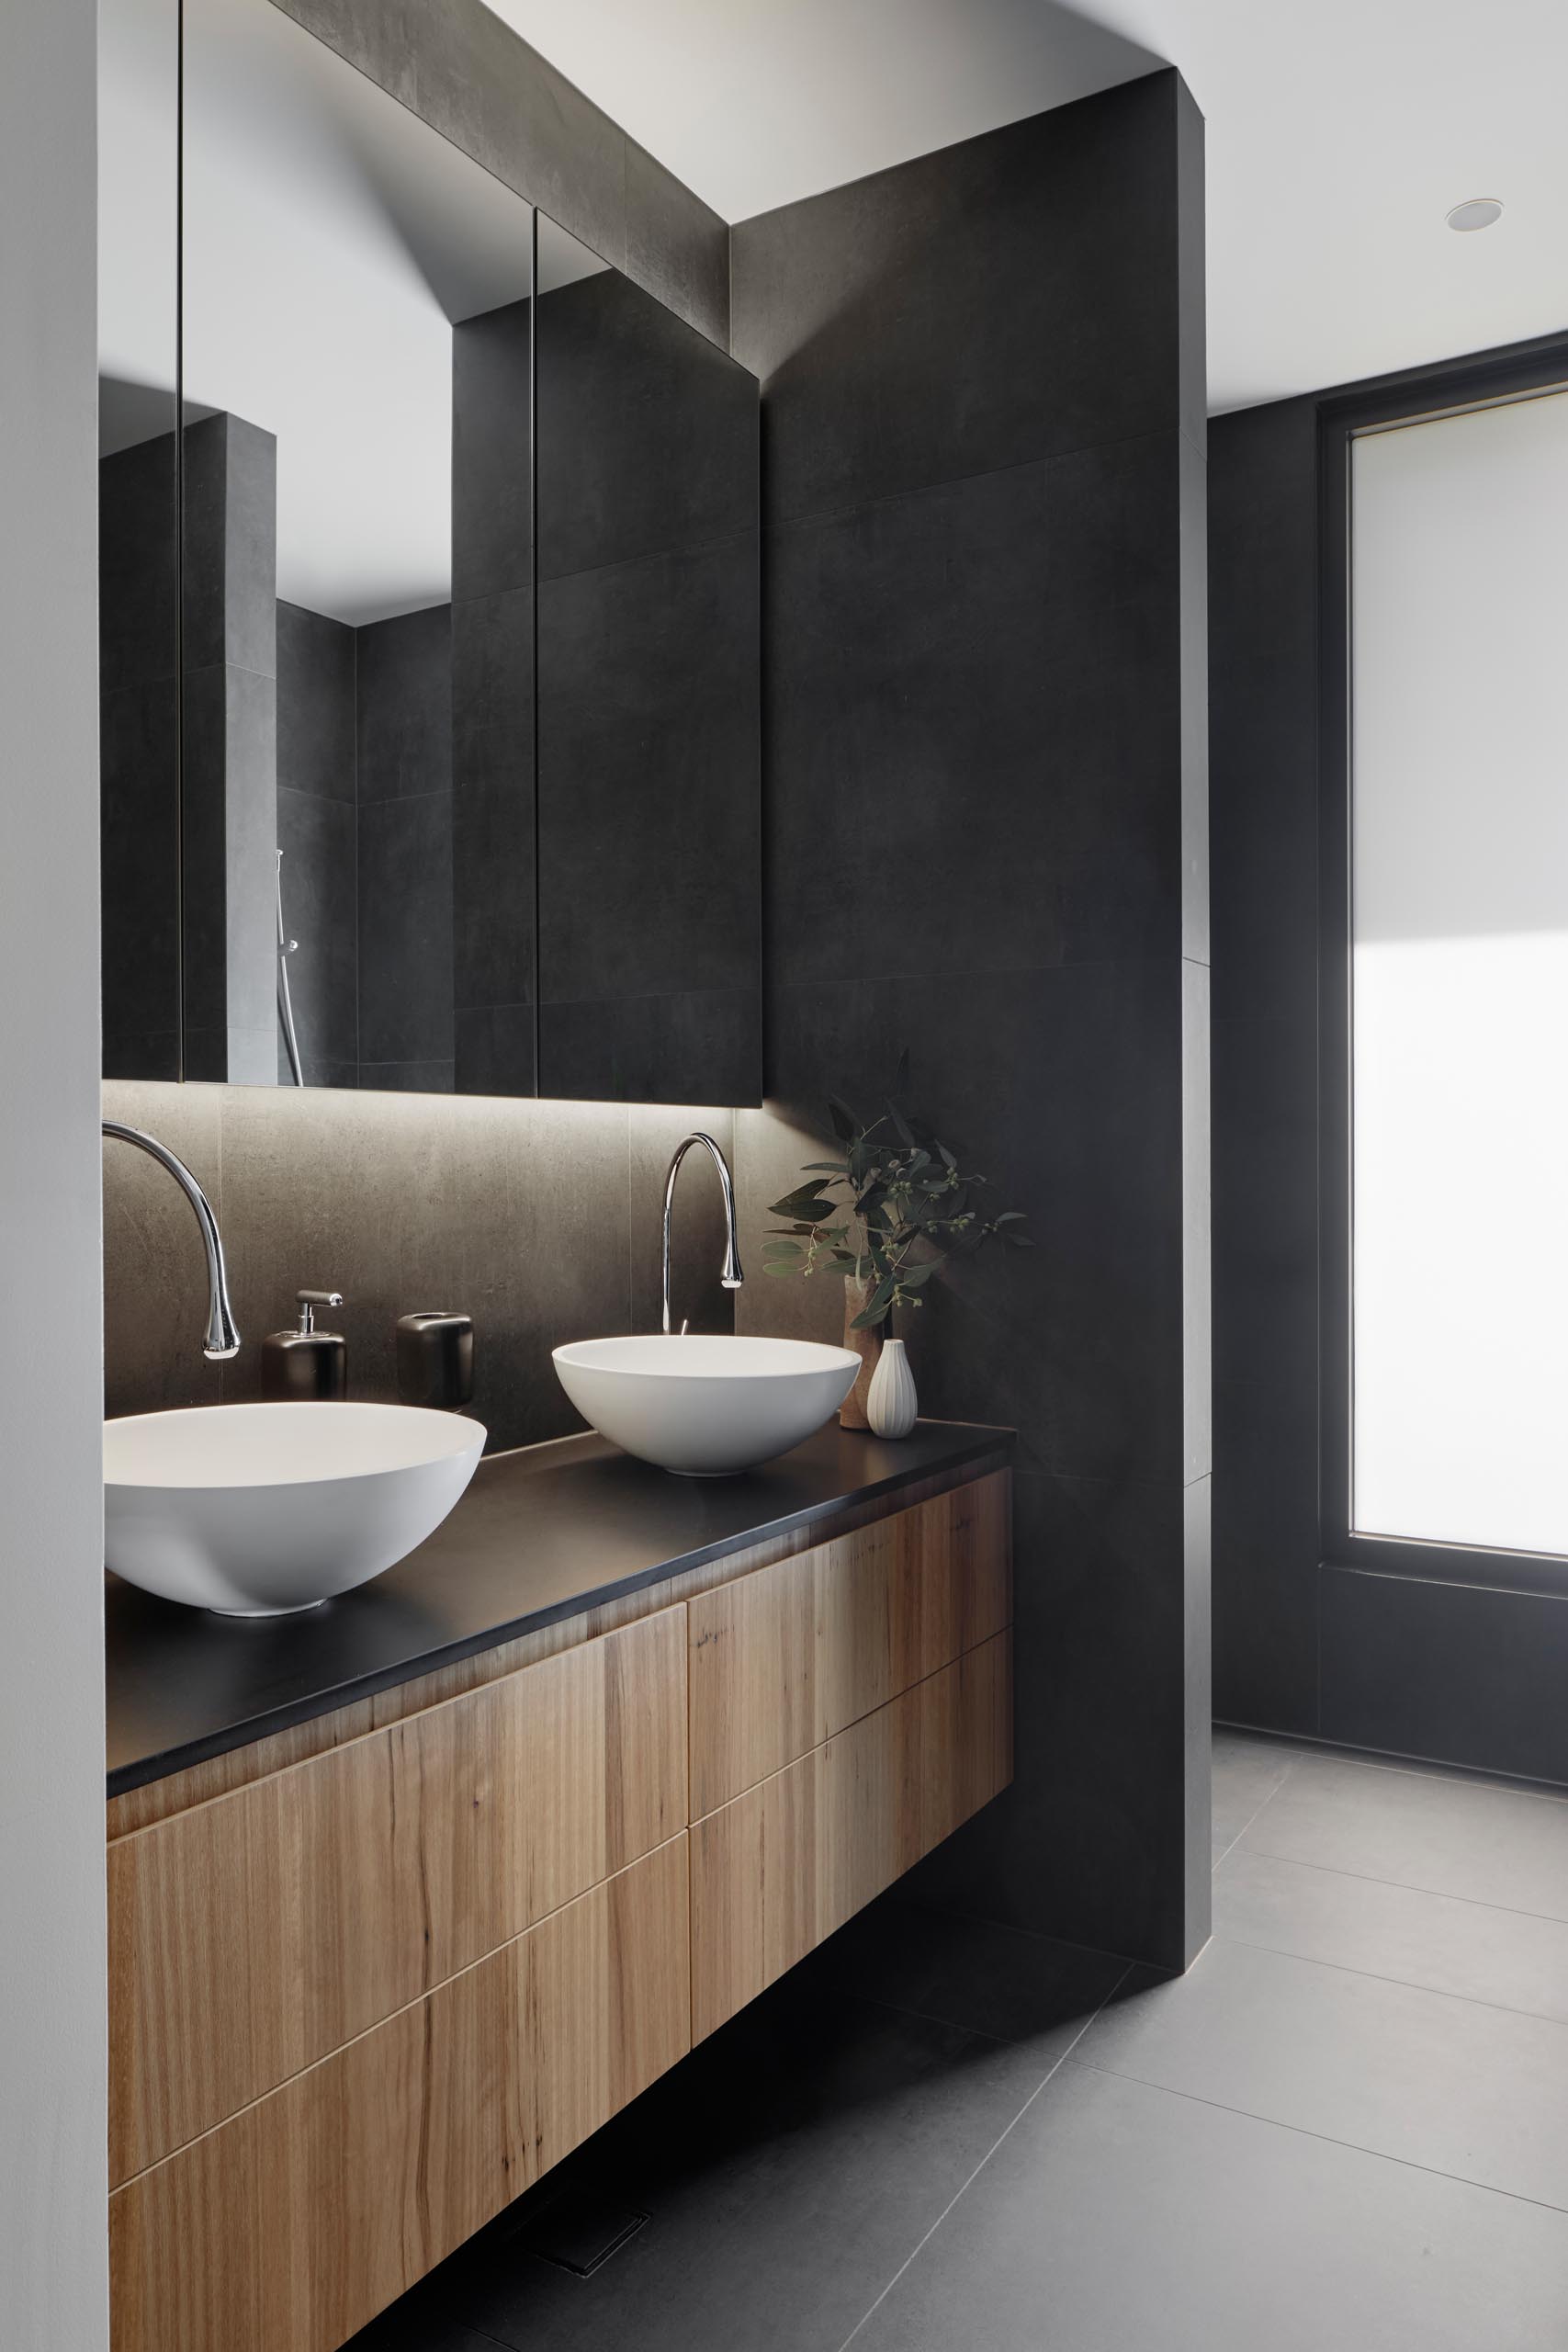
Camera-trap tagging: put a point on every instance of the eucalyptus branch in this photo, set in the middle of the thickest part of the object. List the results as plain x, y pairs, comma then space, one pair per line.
891, 1213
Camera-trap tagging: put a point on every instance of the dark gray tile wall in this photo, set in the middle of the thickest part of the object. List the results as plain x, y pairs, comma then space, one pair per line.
1403, 1663
317, 832
404, 712
493, 847
139, 756
541, 1220
1263, 723
229, 751
984, 527
457, 65
649, 739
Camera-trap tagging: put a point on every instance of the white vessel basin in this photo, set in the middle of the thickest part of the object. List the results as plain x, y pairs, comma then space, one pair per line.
705, 1405
259, 1510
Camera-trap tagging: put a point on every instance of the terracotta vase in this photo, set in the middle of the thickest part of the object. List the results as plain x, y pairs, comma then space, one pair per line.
867, 1345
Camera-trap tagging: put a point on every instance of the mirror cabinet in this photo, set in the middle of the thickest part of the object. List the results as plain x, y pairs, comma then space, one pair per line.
429, 608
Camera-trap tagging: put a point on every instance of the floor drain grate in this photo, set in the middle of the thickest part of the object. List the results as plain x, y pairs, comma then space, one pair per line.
579, 2233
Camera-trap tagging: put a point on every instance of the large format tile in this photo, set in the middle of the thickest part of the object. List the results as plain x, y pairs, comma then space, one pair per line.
1246, 1772
1508, 1958
1461, 2088
403, 702
1464, 1837
405, 929
1266, 1370
316, 732
1115, 2218
512, 1212
319, 880
414, 2325
1465, 1671
646, 433
908, 328
990, 670
493, 866
1090, 1840
649, 783
966, 1972
789, 2167
1076, 1342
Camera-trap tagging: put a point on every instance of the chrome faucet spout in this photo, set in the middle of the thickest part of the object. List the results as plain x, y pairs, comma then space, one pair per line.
731, 1277
222, 1341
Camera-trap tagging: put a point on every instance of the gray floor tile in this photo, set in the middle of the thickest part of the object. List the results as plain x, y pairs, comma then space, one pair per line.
415, 2324
1509, 1958
789, 2167
1488, 1843
993, 1980
1116, 2218
1245, 1774
1480, 2093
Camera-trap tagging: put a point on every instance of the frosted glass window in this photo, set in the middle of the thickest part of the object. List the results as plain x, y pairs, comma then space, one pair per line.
1460, 978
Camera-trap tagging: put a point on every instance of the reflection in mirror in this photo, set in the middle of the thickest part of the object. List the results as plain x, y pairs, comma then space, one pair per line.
137, 534
327, 600
334, 246
648, 759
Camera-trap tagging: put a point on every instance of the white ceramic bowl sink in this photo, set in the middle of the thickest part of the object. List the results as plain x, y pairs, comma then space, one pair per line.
257, 1509
705, 1405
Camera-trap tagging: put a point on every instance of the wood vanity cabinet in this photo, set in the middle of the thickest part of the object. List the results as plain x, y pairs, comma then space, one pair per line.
360, 2001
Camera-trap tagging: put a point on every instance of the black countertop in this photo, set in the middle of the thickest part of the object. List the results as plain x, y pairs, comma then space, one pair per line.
542, 1533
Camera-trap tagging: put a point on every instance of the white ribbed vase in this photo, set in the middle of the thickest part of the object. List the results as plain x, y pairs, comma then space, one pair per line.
891, 1405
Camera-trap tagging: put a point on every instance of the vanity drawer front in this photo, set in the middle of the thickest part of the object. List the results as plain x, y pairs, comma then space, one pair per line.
254, 1934
292, 2225
778, 1870
784, 1658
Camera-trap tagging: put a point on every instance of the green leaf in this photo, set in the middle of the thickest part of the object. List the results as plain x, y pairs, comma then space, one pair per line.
780, 1266
826, 1168
913, 1276
806, 1205
842, 1119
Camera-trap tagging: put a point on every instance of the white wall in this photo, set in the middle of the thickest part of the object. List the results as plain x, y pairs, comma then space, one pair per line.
53, 2258
1460, 980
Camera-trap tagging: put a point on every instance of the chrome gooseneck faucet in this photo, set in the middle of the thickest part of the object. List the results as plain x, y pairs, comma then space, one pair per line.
732, 1277
222, 1341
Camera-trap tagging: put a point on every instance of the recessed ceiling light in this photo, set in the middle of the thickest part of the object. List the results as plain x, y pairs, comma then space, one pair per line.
1476, 212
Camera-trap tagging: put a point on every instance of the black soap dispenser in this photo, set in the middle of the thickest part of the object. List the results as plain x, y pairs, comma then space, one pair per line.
305, 1366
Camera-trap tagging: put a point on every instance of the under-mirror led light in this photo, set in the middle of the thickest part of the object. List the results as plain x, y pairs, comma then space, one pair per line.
1476, 212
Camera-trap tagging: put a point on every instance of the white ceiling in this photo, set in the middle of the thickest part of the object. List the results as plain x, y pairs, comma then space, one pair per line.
1339, 135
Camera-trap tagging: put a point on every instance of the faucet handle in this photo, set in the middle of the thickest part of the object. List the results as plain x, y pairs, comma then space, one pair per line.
307, 1301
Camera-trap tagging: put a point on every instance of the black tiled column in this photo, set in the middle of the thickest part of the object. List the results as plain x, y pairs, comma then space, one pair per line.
985, 766
229, 751
139, 756
493, 877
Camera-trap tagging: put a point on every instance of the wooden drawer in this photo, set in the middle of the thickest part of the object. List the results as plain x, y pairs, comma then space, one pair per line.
253, 1935
776, 1870
293, 2224
784, 1658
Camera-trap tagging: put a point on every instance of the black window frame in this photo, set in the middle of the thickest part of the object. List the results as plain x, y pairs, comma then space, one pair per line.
1485, 381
